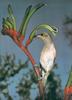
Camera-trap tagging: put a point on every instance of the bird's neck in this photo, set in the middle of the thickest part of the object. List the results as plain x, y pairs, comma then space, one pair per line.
47, 43
46, 46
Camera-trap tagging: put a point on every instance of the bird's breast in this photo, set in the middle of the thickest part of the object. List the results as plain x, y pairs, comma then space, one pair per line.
47, 57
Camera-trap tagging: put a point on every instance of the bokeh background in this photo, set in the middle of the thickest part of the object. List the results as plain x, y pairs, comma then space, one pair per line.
53, 14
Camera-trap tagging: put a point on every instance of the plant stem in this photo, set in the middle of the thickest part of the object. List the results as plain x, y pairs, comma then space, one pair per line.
69, 82
26, 51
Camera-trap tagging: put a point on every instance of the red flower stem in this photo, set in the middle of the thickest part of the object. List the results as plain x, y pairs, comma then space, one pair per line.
13, 35
67, 92
26, 51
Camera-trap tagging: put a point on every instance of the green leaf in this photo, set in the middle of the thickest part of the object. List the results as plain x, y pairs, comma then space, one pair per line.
52, 29
29, 12
7, 24
10, 22
10, 12
21, 29
69, 82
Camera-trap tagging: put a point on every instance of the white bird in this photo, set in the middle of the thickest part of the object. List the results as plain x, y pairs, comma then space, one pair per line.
48, 55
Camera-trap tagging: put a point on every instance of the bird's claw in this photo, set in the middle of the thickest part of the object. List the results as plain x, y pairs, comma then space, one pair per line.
40, 78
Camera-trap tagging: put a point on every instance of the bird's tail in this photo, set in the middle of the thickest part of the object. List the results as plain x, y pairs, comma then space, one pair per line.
45, 76
42, 85
42, 89
41, 80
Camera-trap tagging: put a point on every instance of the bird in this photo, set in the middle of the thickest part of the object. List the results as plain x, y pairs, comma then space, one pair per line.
47, 56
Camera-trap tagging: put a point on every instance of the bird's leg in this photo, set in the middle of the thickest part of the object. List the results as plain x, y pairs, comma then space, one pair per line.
44, 75
39, 71
40, 76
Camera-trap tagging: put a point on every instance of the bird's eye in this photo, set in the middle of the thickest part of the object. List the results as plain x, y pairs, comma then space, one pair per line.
42, 34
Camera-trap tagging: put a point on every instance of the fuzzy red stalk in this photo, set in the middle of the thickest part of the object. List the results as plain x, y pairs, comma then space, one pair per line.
68, 93
28, 42
21, 38
13, 35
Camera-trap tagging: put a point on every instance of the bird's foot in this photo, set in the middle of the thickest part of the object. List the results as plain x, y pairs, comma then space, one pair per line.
40, 78
44, 76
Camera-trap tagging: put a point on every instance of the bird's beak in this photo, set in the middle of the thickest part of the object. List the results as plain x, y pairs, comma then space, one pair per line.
37, 36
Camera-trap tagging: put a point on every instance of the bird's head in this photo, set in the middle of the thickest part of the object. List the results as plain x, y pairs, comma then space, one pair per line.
45, 37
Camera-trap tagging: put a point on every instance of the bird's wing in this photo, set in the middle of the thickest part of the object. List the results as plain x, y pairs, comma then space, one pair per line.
42, 68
